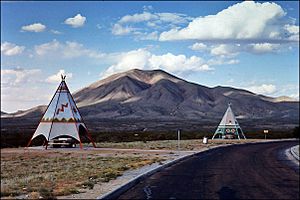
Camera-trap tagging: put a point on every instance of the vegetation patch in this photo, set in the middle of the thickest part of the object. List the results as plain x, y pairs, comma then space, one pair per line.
47, 174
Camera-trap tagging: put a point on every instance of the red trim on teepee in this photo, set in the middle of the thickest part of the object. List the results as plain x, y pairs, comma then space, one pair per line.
87, 131
74, 118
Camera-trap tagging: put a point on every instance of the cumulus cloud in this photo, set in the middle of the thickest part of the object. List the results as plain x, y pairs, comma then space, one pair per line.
18, 76
10, 49
264, 47
36, 27
132, 24
23, 89
118, 29
76, 22
232, 50
198, 46
138, 17
56, 78
175, 18
47, 47
143, 59
293, 32
66, 50
265, 89
247, 20
225, 50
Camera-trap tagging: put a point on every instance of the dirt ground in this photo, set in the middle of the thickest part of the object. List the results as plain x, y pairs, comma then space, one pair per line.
87, 173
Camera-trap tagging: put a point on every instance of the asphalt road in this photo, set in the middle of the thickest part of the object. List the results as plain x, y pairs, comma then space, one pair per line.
251, 171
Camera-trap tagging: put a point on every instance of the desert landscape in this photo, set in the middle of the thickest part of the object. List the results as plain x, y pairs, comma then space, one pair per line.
73, 173
149, 100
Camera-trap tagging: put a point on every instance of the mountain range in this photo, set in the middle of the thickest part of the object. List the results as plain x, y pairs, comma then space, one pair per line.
155, 95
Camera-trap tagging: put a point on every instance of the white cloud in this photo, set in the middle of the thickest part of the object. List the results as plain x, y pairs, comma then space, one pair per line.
145, 16
143, 59
47, 47
175, 18
148, 36
118, 29
36, 27
232, 50
178, 63
129, 60
264, 47
145, 8
10, 49
66, 50
295, 96
23, 89
198, 46
232, 62
265, 89
242, 21
225, 50
56, 78
18, 76
132, 24
292, 28
293, 32
76, 22
56, 32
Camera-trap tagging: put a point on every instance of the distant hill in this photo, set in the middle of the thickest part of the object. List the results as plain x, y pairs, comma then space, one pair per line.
158, 95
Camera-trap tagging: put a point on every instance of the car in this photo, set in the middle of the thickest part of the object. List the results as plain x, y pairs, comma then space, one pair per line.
63, 142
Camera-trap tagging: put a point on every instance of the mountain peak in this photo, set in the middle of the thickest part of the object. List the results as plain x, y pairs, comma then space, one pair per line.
145, 76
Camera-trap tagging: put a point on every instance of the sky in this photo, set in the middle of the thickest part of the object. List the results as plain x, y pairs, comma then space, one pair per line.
242, 44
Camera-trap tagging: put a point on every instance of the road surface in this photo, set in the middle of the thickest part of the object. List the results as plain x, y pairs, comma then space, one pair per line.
250, 171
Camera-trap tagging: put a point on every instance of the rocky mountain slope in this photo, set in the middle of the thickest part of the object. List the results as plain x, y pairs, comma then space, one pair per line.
156, 94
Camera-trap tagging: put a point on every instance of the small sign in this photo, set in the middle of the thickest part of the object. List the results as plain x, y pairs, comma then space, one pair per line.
266, 131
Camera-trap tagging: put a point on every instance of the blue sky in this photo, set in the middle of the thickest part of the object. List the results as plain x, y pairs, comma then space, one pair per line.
248, 45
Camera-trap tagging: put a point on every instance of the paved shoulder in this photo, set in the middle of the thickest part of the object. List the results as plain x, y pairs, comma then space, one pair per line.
251, 171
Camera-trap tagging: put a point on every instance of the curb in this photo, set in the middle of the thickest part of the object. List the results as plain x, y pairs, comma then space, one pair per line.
118, 191
294, 152
126, 186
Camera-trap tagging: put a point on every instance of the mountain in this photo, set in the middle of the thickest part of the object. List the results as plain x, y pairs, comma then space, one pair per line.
156, 95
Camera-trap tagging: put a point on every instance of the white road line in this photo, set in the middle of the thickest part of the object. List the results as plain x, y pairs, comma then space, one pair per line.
148, 192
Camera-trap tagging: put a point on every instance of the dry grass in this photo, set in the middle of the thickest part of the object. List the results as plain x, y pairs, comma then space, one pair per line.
185, 145
39, 173
55, 173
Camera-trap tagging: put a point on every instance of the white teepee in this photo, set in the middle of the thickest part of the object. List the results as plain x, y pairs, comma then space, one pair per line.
229, 126
62, 117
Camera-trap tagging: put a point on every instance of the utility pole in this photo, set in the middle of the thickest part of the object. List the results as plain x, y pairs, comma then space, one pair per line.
178, 140
266, 132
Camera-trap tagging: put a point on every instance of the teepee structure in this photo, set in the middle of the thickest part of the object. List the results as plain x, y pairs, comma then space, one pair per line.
62, 118
229, 127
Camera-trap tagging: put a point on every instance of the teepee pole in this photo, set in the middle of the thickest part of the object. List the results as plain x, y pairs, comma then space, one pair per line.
214, 135
59, 89
28, 143
89, 136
